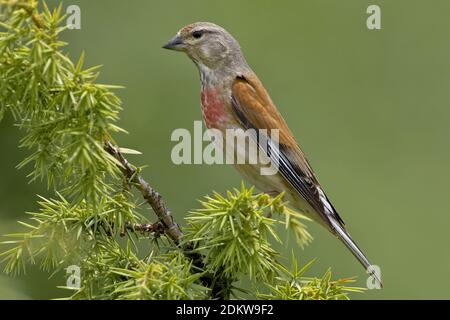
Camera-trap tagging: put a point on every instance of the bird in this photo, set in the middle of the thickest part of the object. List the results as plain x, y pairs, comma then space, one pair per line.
233, 97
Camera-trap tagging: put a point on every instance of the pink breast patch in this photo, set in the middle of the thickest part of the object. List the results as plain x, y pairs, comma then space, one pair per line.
213, 108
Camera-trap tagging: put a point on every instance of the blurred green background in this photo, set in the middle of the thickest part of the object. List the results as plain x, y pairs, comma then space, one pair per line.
370, 108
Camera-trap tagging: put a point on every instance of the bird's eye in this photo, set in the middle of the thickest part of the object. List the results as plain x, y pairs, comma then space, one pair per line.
197, 34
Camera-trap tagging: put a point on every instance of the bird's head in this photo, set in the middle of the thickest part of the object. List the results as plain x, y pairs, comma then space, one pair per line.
208, 45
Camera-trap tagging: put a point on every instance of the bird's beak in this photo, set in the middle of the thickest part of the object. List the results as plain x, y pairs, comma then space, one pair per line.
176, 43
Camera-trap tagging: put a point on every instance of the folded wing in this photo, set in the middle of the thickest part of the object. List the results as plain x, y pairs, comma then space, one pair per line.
254, 109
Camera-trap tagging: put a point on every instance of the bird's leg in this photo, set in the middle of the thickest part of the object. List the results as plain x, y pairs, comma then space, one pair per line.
272, 193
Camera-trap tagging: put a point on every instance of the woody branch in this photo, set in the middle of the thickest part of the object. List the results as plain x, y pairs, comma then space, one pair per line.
151, 196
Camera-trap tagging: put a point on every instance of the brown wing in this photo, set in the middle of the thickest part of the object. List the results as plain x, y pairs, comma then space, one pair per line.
259, 110
253, 107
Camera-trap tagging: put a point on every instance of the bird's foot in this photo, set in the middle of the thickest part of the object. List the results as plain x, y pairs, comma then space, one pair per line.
272, 194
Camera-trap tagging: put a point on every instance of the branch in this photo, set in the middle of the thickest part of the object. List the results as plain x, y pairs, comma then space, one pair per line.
153, 198
220, 285
156, 228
